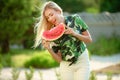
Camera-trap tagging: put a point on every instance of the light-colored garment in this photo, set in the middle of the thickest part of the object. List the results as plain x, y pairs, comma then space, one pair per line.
78, 71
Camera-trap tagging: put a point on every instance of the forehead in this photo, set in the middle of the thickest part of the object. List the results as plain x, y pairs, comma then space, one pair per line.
48, 11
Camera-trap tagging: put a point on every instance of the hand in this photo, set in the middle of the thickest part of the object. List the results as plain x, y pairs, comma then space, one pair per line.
46, 44
69, 30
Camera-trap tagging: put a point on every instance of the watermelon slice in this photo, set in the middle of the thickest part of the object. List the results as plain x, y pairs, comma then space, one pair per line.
54, 33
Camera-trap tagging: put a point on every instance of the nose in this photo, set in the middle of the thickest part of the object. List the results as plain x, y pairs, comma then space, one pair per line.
50, 19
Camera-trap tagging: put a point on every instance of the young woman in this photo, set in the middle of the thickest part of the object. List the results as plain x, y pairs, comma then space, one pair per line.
70, 49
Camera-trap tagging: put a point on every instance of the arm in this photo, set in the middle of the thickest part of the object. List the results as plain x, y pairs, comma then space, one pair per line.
85, 36
56, 56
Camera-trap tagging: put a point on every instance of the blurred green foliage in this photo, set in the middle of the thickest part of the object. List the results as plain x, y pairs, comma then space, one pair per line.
105, 46
28, 58
5, 60
29, 74
16, 22
15, 73
71, 6
110, 5
93, 76
92, 6
42, 60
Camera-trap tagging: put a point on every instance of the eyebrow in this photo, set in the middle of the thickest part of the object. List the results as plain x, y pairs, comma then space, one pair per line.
48, 14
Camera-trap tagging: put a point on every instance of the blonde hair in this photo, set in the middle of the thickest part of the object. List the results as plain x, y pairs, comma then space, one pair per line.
43, 24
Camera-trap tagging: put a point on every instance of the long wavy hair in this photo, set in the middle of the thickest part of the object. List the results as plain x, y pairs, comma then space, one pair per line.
43, 24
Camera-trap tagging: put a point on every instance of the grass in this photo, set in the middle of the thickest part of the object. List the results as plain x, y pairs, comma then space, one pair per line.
22, 55
18, 57
105, 46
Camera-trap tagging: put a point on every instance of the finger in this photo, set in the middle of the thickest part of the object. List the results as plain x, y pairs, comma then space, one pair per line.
44, 41
67, 27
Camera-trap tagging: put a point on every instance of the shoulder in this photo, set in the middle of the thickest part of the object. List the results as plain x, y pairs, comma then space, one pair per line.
76, 16
72, 17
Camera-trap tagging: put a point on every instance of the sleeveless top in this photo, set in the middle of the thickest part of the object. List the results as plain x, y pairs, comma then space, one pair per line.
71, 47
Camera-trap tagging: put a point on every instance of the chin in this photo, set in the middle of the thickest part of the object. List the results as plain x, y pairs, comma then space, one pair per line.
56, 24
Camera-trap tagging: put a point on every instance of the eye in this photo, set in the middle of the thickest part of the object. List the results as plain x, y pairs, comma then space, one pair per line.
51, 14
47, 18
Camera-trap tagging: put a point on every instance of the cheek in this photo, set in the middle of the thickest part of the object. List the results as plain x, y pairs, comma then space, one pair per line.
54, 16
57, 17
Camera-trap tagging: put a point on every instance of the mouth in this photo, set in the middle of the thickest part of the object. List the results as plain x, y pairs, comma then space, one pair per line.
54, 21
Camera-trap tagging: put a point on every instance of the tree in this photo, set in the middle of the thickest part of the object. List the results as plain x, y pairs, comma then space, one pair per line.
16, 18
110, 5
28, 39
71, 6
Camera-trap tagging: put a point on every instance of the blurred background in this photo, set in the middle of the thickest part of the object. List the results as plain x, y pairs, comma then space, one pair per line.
18, 18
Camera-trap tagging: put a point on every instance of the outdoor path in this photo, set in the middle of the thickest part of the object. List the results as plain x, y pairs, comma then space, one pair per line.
96, 63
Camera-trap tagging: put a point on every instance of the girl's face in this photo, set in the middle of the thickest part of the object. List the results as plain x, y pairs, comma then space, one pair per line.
53, 16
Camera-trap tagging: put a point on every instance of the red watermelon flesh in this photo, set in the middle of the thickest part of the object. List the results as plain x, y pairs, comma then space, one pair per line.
54, 33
